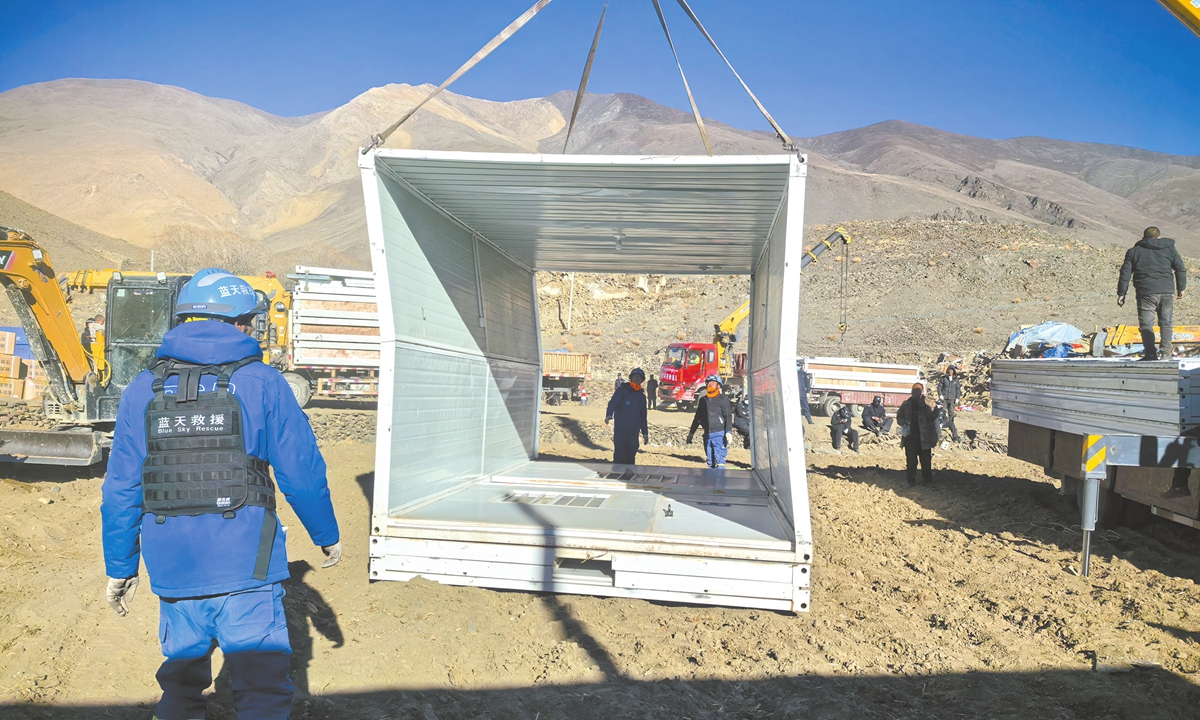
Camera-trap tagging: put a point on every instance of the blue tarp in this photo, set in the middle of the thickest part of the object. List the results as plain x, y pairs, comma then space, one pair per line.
1042, 334
22, 350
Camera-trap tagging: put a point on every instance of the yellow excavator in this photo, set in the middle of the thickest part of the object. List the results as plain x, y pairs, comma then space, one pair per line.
271, 328
1187, 11
84, 389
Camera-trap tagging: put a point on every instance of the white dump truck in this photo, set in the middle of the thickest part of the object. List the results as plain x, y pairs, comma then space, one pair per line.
1121, 435
461, 496
847, 381
333, 350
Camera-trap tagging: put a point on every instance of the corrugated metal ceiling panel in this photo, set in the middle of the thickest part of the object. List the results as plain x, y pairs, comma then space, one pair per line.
676, 214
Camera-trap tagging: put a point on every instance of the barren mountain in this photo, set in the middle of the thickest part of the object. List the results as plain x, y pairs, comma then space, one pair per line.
129, 158
70, 246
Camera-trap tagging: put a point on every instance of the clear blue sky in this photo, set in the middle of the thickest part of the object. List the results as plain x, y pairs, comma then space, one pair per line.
1113, 71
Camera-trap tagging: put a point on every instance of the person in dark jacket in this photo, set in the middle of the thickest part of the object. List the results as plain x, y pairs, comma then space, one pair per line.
741, 420
805, 386
714, 414
620, 381
949, 392
627, 411
875, 418
652, 393
840, 425
216, 562
919, 433
1159, 276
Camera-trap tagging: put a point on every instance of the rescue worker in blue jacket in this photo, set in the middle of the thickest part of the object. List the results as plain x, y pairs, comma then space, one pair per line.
627, 411
188, 488
714, 414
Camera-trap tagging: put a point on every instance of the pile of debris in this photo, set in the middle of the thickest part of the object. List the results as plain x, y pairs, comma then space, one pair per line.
331, 426
975, 378
18, 413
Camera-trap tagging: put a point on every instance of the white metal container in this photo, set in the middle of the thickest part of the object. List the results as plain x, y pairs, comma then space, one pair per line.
460, 495
1099, 395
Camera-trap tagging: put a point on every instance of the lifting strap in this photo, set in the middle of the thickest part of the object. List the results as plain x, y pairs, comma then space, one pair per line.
583, 81
695, 110
377, 141
787, 141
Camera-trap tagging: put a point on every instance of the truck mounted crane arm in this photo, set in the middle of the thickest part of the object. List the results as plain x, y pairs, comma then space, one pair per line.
28, 279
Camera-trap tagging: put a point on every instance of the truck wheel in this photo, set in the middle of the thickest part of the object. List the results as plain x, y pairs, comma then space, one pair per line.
856, 410
830, 404
300, 388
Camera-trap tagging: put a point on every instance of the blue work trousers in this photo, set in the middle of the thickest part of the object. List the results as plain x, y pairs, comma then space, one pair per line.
250, 628
715, 449
625, 448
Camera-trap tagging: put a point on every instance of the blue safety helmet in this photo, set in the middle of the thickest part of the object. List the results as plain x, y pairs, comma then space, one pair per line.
637, 375
714, 378
214, 292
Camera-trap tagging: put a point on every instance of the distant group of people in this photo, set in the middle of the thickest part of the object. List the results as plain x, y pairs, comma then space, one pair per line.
921, 424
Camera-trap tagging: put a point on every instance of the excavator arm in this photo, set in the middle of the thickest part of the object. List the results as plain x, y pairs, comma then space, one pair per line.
29, 281
726, 331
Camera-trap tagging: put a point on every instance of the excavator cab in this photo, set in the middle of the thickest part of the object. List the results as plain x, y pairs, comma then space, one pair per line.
139, 312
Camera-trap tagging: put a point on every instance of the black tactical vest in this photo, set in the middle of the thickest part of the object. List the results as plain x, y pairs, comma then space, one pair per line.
196, 461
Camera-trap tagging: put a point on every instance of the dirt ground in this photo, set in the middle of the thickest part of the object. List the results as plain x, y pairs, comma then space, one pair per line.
960, 599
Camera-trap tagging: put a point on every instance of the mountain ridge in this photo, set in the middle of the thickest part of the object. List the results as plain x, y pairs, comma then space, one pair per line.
128, 158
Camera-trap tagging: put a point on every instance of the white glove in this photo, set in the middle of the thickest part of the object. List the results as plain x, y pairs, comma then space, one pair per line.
120, 593
728, 436
333, 554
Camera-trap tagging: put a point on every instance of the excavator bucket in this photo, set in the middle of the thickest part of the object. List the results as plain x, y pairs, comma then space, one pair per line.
51, 447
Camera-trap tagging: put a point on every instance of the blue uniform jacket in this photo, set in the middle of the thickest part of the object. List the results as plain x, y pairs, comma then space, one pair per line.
627, 409
192, 556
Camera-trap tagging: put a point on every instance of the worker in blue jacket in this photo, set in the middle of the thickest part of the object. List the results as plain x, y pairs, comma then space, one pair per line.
627, 411
189, 489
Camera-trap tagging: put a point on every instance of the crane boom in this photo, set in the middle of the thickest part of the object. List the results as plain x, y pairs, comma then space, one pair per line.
1187, 11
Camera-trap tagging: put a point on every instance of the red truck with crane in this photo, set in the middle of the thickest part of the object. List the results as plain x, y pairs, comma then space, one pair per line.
681, 377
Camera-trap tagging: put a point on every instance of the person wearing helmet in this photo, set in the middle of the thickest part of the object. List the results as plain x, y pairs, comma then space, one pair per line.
189, 490
714, 414
627, 411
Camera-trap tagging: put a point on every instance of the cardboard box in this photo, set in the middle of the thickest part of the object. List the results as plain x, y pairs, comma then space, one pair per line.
8, 342
11, 367
33, 390
33, 370
12, 387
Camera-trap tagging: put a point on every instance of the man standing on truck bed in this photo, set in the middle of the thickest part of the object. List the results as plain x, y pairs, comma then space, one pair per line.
1158, 274
715, 415
919, 433
627, 411
189, 489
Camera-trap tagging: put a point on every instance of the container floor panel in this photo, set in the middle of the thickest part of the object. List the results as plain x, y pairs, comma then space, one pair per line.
721, 506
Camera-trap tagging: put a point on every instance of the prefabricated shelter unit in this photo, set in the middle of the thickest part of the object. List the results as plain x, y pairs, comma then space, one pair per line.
460, 495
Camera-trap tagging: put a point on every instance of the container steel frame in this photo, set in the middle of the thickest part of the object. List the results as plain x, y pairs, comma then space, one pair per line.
455, 241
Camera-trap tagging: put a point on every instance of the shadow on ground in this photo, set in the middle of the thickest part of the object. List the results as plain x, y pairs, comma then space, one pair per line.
1068, 695
1034, 513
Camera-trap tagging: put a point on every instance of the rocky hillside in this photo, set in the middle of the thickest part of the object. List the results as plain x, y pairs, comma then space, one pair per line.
128, 159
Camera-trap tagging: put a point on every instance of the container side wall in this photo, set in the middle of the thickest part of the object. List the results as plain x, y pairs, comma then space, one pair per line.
778, 453
464, 359
431, 273
372, 195
513, 359
767, 406
789, 336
